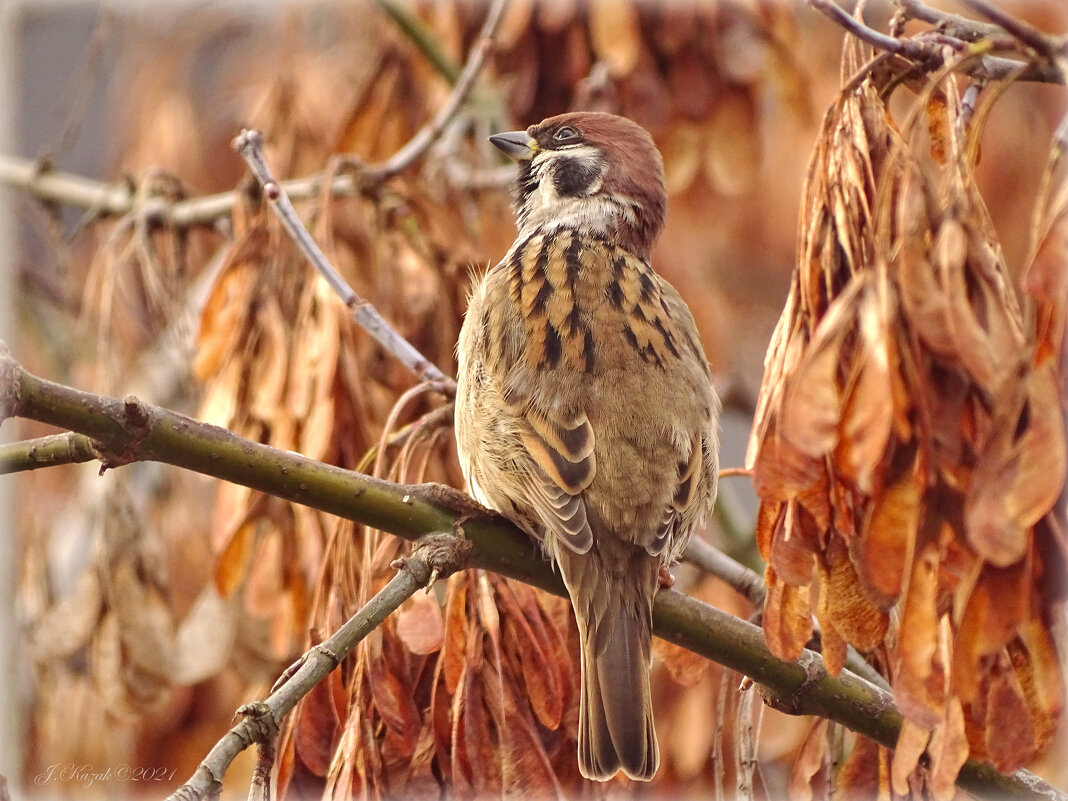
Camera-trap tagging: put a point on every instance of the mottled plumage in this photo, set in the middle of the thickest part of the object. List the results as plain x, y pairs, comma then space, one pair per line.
585, 411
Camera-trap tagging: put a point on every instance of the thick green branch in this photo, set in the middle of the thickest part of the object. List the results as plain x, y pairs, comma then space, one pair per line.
129, 430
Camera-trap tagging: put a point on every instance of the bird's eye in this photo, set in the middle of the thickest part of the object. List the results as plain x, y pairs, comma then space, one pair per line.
566, 134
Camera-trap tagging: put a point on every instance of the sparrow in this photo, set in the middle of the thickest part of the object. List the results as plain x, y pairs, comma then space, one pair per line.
585, 411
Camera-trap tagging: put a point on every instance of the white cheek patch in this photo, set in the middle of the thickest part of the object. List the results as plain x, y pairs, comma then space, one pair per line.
545, 207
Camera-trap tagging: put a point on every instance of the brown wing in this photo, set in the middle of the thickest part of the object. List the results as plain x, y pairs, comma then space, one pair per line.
562, 452
542, 457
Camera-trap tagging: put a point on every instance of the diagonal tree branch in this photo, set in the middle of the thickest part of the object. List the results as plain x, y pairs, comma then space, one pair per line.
128, 430
250, 145
435, 557
430, 132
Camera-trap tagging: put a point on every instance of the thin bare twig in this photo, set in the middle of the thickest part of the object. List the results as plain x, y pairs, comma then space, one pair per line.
1037, 41
747, 583
119, 199
250, 145
955, 25
831, 9
436, 556
926, 49
75, 190
116, 199
430, 132
55, 449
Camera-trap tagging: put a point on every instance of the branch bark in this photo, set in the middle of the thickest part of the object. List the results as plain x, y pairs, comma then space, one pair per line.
128, 430
926, 50
434, 558
49, 451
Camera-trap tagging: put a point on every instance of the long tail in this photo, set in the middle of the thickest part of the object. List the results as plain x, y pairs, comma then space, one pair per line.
615, 706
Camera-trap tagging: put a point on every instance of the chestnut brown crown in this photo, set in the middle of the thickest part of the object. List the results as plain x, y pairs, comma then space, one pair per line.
591, 172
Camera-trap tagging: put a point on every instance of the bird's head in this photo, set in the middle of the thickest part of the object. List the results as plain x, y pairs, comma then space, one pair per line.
591, 172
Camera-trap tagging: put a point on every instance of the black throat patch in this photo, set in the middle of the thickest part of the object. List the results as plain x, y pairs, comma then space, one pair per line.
573, 177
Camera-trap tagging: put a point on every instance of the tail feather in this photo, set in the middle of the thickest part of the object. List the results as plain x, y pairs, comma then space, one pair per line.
616, 714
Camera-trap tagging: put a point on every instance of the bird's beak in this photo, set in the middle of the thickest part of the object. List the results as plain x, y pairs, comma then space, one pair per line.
515, 145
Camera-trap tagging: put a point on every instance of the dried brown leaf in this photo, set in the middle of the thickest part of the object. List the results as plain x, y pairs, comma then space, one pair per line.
1019, 475
267, 362
693, 723
732, 154
918, 641
1041, 673
67, 625
865, 772
317, 726
684, 666
787, 617
524, 763
769, 520
555, 16
551, 619
615, 31
681, 148
811, 762
231, 564
883, 552
833, 645
205, 637
225, 311
998, 604
911, 743
309, 395
849, 610
938, 126
106, 661
515, 22
990, 346
691, 86
948, 751
784, 348
923, 299
391, 686
792, 547
456, 631
219, 406
542, 679
420, 626
1008, 731
812, 405
676, 26
1046, 275
781, 471
868, 413
264, 572
417, 774
815, 501
474, 748
743, 45
146, 623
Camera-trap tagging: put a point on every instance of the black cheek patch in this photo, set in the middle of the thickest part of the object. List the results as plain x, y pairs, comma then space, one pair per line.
573, 177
